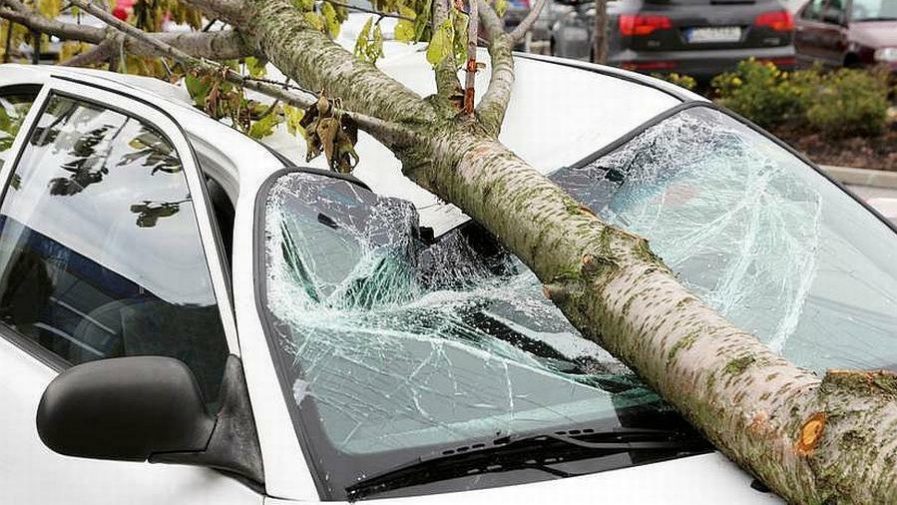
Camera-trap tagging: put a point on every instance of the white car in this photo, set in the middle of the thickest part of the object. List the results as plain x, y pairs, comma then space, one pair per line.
174, 292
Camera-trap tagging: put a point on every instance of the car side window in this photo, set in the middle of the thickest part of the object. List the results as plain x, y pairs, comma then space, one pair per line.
100, 253
834, 12
13, 108
813, 10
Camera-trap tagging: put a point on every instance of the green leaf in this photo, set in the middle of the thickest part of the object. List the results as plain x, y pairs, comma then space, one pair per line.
315, 20
376, 49
5, 120
294, 117
256, 67
405, 31
331, 19
501, 6
264, 126
304, 5
361, 43
199, 88
440, 46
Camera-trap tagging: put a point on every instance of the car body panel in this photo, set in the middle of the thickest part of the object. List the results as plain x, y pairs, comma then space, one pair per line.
42, 476
547, 89
708, 479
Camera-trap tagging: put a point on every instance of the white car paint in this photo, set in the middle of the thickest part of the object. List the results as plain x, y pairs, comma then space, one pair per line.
559, 114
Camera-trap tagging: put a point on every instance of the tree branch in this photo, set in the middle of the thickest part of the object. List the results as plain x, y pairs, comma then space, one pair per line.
233, 12
369, 11
492, 107
222, 45
490, 20
447, 84
520, 31
380, 129
96, 54
316, 62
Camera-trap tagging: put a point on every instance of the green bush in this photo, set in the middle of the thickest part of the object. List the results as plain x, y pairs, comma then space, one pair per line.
683, 81
763, 93
844, 103
850, 103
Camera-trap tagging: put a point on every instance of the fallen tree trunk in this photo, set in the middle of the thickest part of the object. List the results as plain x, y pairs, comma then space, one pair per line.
812, 440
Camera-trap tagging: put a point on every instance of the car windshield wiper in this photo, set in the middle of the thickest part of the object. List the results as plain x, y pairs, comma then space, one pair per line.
540, 452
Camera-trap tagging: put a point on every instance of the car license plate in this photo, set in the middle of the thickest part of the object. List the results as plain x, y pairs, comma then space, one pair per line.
714, 34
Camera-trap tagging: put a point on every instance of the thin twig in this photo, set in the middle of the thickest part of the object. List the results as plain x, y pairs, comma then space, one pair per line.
175, 53
8, 41
369, 11
378, 127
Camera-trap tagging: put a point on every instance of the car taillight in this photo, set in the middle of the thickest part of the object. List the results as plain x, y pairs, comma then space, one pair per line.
636, 25
780, 21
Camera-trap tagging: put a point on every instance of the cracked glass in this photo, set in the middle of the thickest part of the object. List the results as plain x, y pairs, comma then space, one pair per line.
395, 346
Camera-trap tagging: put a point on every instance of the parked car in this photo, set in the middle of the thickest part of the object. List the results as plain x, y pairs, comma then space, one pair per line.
850, 33
174, 292
700, 38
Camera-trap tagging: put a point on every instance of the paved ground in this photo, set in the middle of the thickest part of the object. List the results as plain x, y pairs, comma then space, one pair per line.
883, 199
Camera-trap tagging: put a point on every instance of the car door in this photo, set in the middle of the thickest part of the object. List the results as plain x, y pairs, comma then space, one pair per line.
106, 249
833, 34
810, 31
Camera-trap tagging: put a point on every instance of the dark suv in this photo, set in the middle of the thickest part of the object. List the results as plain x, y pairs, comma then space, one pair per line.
701, 38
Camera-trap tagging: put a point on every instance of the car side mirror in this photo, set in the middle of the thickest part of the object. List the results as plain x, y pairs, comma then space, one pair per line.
124, 409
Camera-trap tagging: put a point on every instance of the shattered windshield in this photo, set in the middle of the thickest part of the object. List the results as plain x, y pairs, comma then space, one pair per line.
756, 233
395, 346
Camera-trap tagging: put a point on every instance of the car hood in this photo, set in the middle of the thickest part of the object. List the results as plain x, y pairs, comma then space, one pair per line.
708, 479
875, 34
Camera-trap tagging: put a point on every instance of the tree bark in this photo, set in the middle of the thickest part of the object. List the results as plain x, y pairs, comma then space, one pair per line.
812, 440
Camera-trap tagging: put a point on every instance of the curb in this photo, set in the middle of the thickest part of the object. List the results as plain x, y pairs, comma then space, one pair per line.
862, 176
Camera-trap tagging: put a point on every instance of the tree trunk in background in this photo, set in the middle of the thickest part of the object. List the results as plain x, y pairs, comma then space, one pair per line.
601, 32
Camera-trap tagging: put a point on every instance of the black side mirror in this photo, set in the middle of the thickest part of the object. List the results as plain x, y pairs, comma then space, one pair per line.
124, 409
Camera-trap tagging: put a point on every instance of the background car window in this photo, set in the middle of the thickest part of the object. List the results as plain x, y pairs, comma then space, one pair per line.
833, 12
100, 254
759, 235
12, 112
873, 10
813, 10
